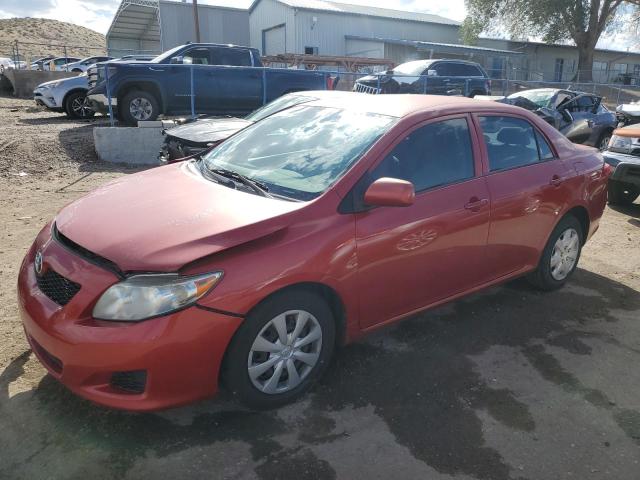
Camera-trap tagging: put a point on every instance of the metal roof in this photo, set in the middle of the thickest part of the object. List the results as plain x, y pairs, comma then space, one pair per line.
441, 47
137, 19
324, 6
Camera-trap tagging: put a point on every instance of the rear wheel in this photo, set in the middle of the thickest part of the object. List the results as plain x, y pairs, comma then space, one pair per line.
281, 350
603, 143
77, 105
139, 106
560, 256
622, 193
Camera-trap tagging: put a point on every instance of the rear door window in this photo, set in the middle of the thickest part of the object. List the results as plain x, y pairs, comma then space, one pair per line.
434, 155
444, 69
513, 142
197, 56
231, 56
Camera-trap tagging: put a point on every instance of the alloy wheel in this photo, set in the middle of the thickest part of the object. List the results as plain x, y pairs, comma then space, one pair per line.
140, 108
565, 254
81, 107
285, 352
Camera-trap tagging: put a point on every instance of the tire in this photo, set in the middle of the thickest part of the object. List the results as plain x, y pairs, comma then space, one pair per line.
143, 103
622, 193
76, 105
550, 275
603, 141
244, 353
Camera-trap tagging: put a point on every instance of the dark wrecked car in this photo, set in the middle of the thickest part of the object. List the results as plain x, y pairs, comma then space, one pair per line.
580, 116
623, 155
432, 77
628, 113
203, 133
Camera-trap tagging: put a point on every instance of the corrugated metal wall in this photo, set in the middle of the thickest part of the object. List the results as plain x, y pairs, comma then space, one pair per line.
327, 31
268, 15
217, 24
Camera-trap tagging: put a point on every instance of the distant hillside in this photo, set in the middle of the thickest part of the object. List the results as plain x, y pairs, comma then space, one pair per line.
49, 33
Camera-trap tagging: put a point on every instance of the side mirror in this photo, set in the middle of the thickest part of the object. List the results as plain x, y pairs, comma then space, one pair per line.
390, 192
432, 73
177, 60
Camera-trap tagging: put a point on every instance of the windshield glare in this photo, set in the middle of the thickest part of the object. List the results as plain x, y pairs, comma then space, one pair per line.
300, 152
166, 55
278, 105
412, 68
542, 98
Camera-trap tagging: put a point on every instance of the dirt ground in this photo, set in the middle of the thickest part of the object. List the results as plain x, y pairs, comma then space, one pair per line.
506, 384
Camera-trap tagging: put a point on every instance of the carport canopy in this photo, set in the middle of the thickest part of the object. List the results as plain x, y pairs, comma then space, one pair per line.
136, 20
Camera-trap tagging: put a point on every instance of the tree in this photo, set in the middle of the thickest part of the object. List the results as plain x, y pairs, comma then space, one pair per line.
582, 21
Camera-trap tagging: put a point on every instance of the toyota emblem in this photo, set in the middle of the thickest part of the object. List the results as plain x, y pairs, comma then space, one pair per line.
38, 263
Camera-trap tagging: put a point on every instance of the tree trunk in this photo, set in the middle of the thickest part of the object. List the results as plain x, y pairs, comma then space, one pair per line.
585, 63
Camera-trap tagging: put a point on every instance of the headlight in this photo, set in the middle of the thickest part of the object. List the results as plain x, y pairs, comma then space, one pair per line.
145, 296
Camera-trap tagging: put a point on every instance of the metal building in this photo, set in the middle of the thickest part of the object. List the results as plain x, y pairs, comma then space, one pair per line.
331, 28
153, 26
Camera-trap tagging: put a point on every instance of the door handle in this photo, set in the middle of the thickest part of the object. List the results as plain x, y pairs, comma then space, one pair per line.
475, 204
556, 180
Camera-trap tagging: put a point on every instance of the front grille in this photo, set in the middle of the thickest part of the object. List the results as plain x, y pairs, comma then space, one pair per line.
134, 381
58, 288
54, 363
359, 87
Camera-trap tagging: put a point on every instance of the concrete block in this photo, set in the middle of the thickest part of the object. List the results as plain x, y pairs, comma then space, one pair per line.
25, 81
129, 145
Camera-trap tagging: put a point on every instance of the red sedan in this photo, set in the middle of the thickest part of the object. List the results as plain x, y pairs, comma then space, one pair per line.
302, 232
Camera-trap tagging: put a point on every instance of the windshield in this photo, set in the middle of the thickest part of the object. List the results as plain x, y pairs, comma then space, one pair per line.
300, 152
278, 105
412, 68
542, 98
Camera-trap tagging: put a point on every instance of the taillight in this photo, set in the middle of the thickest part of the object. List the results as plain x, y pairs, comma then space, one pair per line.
607, 170
330, 82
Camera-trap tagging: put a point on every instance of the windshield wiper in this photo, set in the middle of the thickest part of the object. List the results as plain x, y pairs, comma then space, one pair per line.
258, 187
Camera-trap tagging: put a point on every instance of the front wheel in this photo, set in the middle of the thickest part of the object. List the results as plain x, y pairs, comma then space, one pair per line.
603, 143
139, 106
281, 350
622, 193
77, 105
560, 256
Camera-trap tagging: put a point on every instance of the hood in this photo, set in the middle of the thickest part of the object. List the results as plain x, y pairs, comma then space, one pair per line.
80, 80
207, 130
162, 219
632, 109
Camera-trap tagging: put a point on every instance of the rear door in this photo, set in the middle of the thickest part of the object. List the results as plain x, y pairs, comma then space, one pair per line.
414, 256
529, 187
238, 87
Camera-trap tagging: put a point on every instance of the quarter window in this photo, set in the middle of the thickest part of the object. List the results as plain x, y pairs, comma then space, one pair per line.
434, 155
513, 142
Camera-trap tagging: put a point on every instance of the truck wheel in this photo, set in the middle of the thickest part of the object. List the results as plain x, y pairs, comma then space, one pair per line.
622, 193
139, 106
560, 256
77, 106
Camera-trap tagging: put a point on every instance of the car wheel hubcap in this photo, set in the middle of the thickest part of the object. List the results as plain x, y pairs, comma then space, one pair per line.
140, 108
565, 254
285, 352
81, 107
605, 143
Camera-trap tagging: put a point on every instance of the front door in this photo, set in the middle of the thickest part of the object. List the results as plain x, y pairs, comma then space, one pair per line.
528, 186
413, 256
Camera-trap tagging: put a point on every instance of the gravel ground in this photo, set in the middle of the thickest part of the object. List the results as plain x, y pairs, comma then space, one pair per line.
506, 384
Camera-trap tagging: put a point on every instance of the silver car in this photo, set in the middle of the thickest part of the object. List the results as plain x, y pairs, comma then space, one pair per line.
68, 95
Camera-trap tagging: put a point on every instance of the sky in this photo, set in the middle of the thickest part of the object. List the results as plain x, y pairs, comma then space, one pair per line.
97, 14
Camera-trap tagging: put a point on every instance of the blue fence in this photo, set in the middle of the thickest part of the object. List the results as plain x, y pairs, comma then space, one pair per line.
614, 94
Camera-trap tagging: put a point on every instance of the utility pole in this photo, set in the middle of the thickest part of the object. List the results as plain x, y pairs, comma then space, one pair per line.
196, 21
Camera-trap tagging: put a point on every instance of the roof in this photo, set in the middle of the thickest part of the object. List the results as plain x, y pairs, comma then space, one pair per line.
401, 105
441, 47
336, 7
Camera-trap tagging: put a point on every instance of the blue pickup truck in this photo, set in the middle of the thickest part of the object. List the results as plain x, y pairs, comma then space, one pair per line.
224, 80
